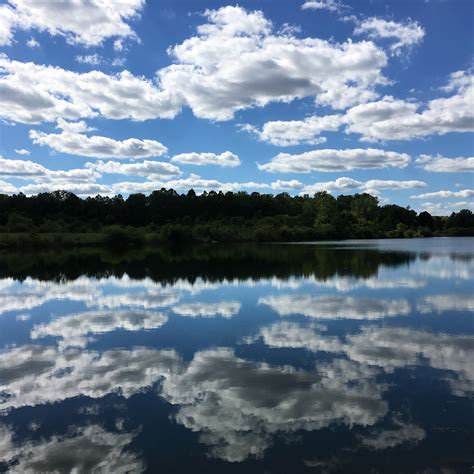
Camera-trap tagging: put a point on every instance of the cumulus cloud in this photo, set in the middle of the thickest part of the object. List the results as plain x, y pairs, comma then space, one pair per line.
193, 181
7, 188
146, 168
225, 159
291, 185
22, 151
446, 208
34, 93
404, 35
331, 5
79, 189
25, 169
82, 22
464, 193
32, 43
441, 164
97, 146
397, 119
335, 307
234, 62
296, 132
348, 184
91, 59
335, 160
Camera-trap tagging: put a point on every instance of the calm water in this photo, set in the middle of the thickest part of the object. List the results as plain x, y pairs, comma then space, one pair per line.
351, 357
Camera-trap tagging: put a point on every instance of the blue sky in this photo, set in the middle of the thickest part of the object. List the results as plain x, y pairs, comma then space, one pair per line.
270, 96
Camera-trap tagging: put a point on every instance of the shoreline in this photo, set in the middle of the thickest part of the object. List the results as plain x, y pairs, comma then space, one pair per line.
136, 238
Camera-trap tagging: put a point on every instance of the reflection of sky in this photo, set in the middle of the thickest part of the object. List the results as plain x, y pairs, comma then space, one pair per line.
238, 362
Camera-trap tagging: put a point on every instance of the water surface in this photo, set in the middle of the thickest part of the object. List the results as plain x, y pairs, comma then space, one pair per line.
330, 357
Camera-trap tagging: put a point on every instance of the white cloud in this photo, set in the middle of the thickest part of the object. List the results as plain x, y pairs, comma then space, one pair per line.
81, 22
32, 43
296, 132
118, 45
446, 208
7, 21
458, 80
465, 193
393, 184
224, 309
145, 168
193, 181
331, 5
340, 184
80, 189
91, 59
335, 160
335, 307
405, 34
73, 127
34, 93
291, 185
396, 119
28, 169
97, 146
7, 188
22, 151
225, 159
348, 184
236, 62
441, 164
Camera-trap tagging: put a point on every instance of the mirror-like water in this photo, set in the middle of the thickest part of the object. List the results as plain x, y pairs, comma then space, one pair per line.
343, 357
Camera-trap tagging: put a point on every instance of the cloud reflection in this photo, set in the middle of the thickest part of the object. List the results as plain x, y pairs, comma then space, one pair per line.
385, 347
73, 327
238, 406
335, 307
84, 450
33, 375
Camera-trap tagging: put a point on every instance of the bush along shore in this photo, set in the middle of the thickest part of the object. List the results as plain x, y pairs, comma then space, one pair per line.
62, 218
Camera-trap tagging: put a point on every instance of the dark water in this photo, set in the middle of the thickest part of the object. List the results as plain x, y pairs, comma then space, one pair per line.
352, 357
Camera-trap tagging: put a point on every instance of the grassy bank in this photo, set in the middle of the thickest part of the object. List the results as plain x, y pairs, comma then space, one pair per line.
121, 237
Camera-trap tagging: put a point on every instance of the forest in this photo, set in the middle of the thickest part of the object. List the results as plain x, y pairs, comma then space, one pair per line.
63, 218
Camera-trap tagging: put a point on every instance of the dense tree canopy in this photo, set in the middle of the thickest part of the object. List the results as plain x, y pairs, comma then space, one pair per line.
218, 216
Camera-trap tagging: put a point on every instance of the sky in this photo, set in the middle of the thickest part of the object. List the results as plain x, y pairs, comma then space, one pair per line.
125, 96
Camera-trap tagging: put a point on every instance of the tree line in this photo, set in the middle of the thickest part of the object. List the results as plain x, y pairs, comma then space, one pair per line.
167, 216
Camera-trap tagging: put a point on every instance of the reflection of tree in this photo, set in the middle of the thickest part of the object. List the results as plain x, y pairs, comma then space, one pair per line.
212, 262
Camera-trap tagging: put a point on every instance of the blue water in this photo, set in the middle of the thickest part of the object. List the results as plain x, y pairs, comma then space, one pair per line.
352, 356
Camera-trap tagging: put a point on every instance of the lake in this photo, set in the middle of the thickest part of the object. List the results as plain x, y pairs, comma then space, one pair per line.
349, 356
